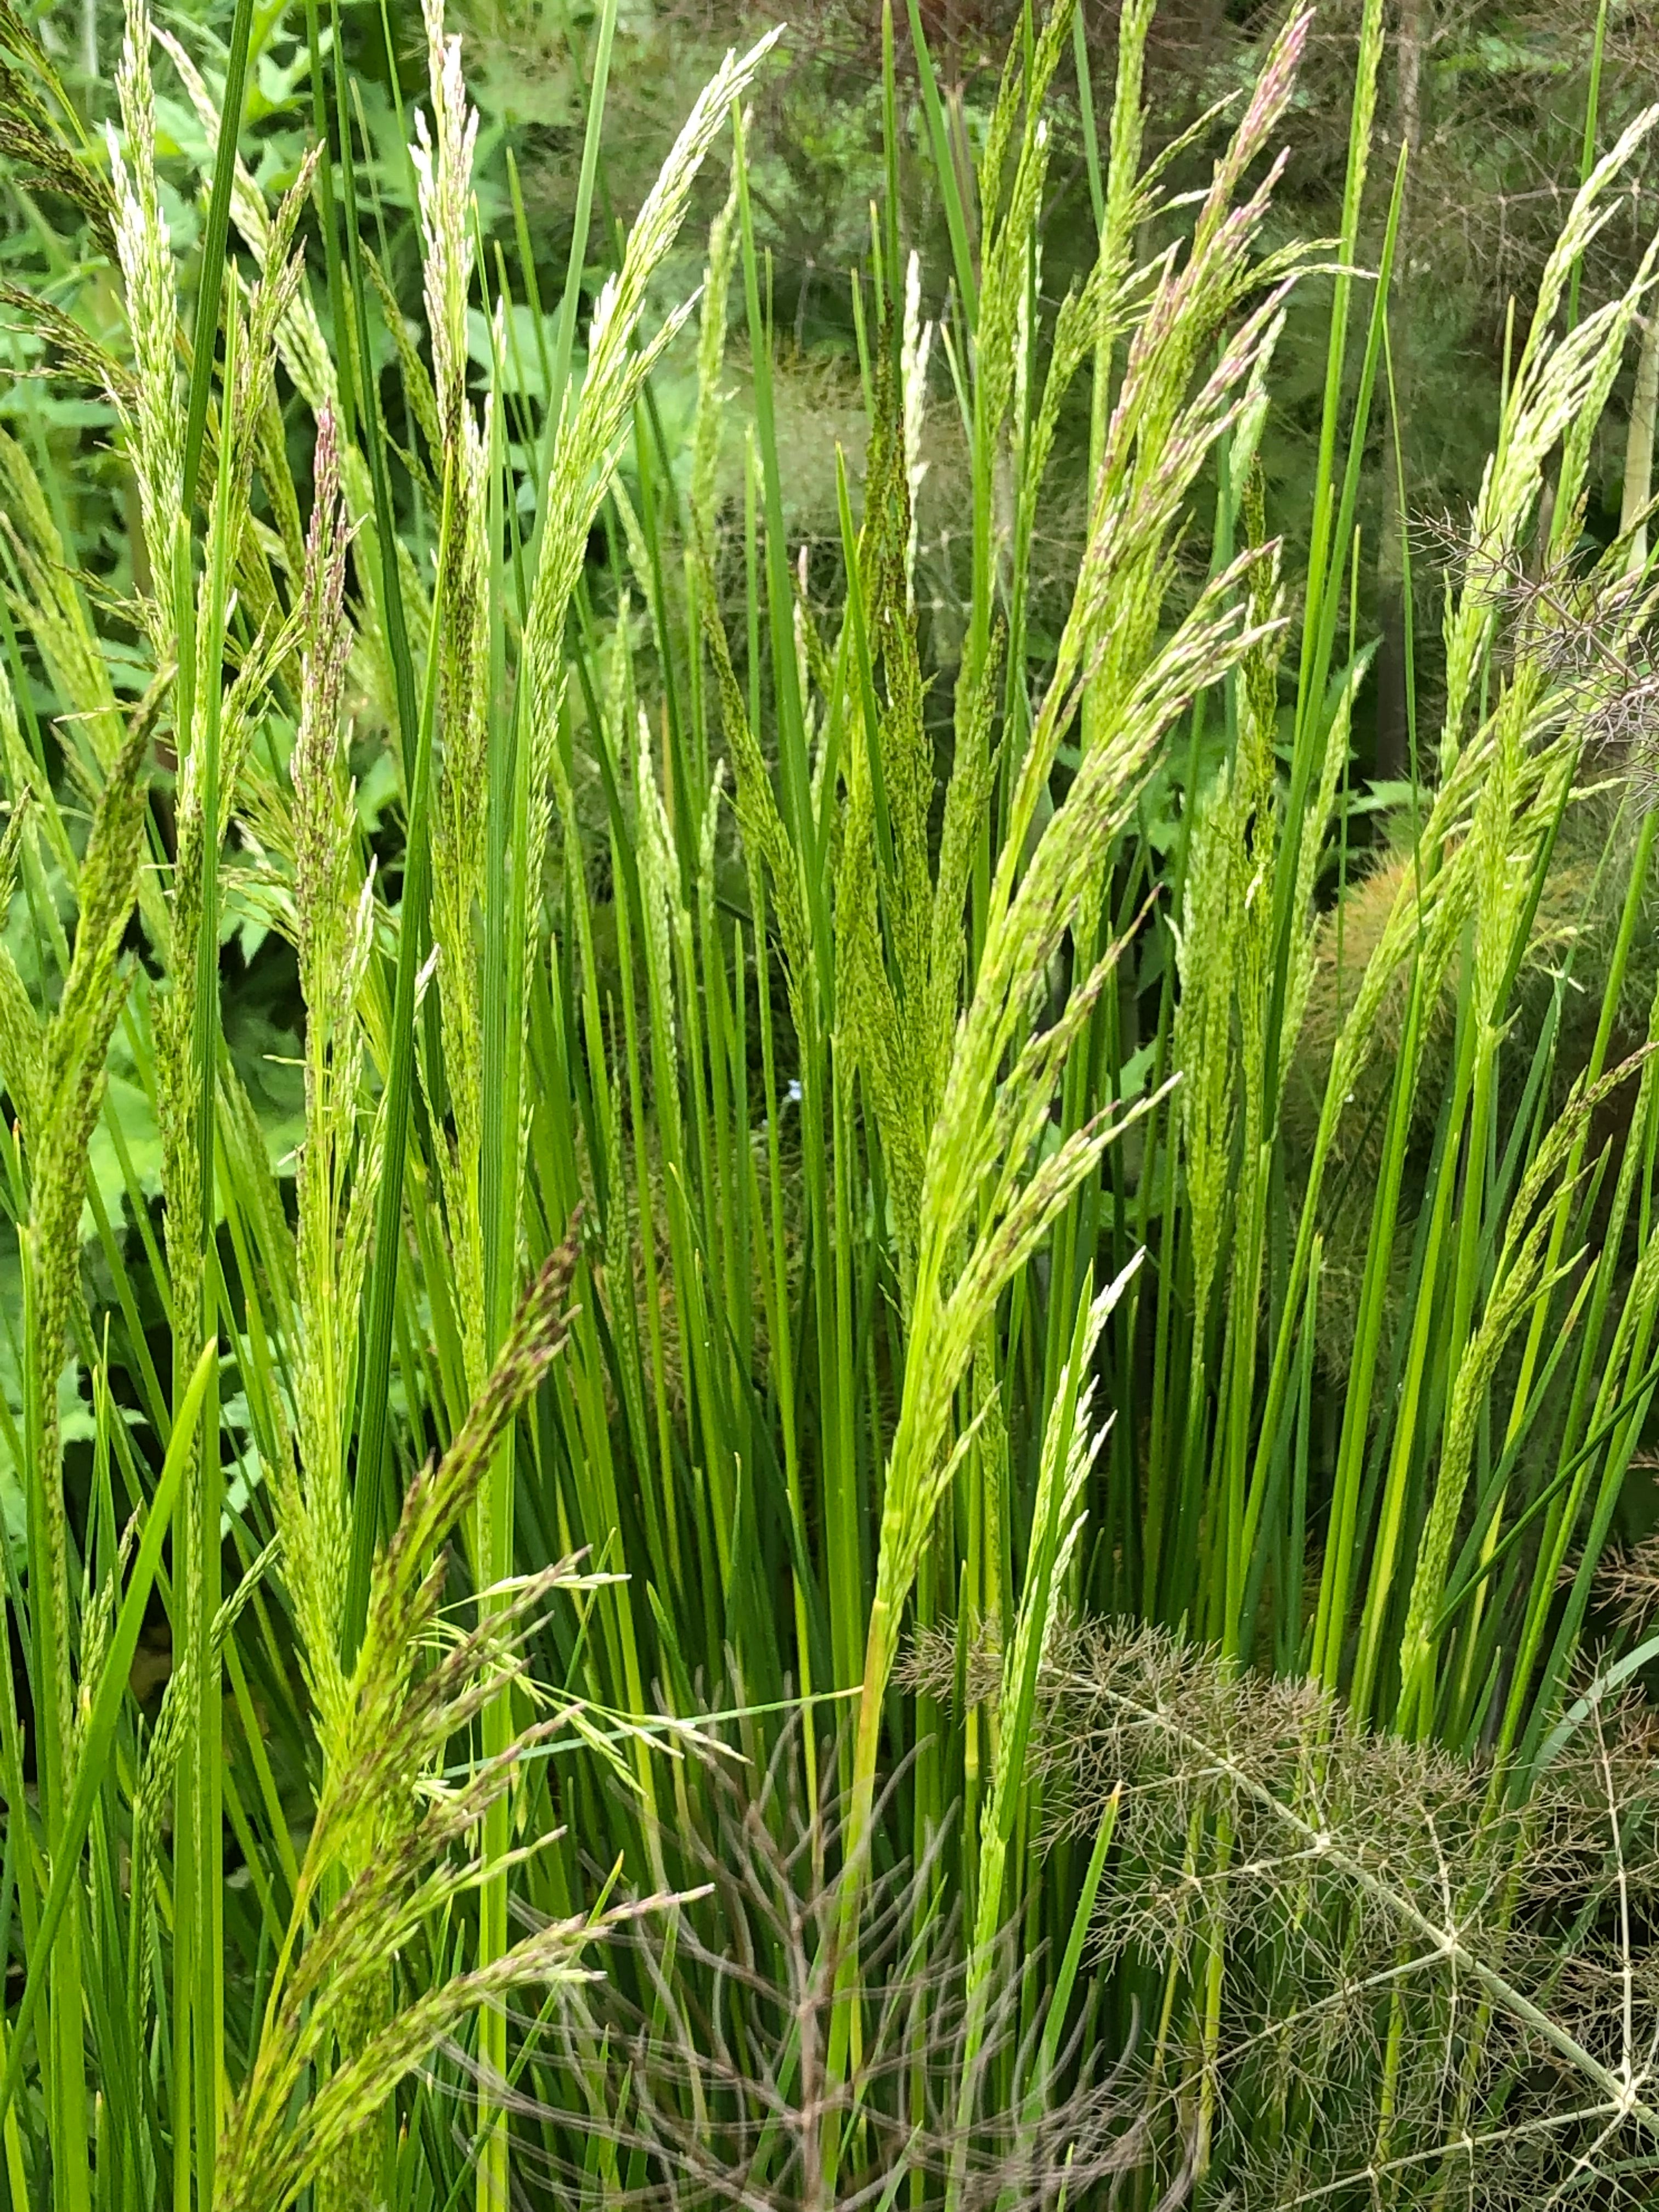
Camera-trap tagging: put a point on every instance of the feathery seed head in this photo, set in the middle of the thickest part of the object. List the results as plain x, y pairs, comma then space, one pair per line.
443, 155
319, 809
711, 356
914, 353
144, 249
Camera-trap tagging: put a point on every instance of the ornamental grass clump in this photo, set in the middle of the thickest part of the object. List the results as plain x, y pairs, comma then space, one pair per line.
879, 1404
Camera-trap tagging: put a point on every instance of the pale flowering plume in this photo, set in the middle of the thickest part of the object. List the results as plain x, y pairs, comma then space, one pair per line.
711, 358
1202, 1042
1011, 224
21, 1038
584, 452
300, 344
270, 304
1504, 862
1560, 389
327, 643
155, 420
443, 155
913, 357
1023, 341
335, 1170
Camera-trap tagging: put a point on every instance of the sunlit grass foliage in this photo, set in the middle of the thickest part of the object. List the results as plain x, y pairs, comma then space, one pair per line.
903, 1498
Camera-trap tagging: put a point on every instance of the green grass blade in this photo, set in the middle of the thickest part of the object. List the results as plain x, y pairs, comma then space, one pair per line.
105, 1709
